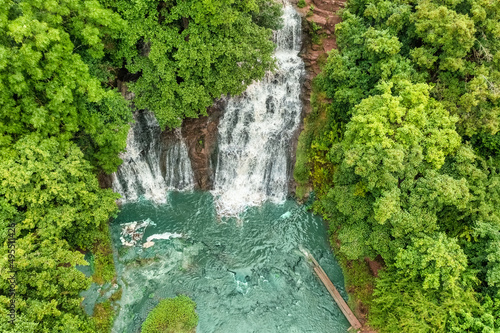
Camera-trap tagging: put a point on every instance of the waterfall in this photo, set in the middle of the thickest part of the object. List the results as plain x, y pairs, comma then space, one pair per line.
152, 166
253, 162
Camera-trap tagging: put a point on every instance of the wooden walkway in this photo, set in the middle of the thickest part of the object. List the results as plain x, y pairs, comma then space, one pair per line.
335, 294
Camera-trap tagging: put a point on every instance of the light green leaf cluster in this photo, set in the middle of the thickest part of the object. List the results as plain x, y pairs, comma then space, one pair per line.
52, 195
172, 315
59, 125
46, 87
413, 175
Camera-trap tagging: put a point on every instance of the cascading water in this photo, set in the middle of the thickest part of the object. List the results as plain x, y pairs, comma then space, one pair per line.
151, 167
257, 127
244, 277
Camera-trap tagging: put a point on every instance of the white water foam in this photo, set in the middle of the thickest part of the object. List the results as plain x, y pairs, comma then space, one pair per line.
151, 167
255, 132
165, 235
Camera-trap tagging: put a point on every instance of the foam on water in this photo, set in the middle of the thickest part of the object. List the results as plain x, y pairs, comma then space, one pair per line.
255, 132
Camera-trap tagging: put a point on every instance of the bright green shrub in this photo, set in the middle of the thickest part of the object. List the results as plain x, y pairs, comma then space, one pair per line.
172, 315
301, 4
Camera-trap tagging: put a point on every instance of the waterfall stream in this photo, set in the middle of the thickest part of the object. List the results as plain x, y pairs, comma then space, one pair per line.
151, 167
244, 277
255, 132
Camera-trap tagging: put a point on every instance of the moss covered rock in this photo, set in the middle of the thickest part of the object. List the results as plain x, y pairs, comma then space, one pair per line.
172, 315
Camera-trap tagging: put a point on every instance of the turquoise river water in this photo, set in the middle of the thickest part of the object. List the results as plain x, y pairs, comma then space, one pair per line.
246, 275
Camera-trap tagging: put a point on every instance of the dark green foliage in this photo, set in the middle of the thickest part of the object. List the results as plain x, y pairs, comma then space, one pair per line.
401, 305
313, 125
45, 87
358, 278
104, 267
487, 145
301, 4
189, 53
172, 315
268, 15
50, 191
51, 188
59, 125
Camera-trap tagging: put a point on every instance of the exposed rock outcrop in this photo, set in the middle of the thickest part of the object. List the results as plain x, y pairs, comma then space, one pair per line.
323, 17
319, 18
200, 135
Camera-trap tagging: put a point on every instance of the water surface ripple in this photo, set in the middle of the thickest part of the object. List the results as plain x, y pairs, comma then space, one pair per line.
245, 275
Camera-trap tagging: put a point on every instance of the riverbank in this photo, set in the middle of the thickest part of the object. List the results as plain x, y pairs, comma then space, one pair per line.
319, 20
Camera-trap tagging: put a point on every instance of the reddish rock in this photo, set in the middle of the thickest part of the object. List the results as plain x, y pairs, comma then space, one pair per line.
105, 181
329, 45
328, 5
200, 136
319, 20
325, 16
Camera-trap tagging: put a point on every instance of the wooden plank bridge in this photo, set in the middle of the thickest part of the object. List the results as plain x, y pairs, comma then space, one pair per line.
334, 292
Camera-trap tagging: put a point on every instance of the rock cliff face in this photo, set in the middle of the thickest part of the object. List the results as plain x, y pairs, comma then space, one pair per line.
319, 18
200, 135
322, 15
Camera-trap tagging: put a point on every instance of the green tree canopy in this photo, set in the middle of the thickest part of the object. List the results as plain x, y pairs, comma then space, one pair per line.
46, 87
50, 192
455, 45
406, 166
190, 52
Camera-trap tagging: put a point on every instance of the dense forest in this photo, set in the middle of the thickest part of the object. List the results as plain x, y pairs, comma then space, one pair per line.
63, 122
402, 147
403, 150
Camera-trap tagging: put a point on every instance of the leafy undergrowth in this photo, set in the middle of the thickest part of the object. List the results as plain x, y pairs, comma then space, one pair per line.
104, 272
359, 283
104, 315
313, 124
104, 267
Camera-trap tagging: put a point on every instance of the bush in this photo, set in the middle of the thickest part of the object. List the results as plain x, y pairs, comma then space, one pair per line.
172, 315
301, 4
104, 266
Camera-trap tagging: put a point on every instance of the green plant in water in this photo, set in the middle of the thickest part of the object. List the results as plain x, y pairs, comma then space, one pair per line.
172, 315
117, 295
103, 317
301, 4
